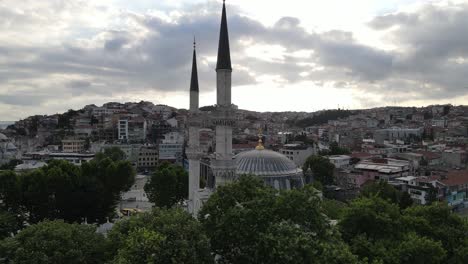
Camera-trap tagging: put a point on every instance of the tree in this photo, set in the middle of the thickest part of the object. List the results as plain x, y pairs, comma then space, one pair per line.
9, 224
114, 153
373, 217
438, 223
9, 191
248, 222
160, 236
333, 208
62, 190
377, 230
387, 192
322, 118
335, 149
168, 185
321, 168
11, 165
56, 242
415, 249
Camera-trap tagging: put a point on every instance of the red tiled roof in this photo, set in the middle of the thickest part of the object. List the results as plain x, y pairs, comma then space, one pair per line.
456, 177
429, 155
361, 155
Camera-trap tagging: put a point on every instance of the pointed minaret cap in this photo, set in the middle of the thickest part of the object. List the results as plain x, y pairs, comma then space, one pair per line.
194, 80
224, 53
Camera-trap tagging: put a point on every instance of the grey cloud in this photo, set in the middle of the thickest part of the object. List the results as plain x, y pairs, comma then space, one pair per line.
126, 61
22, 99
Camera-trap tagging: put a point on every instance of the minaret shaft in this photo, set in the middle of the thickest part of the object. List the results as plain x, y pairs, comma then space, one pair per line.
193, 151
223, 166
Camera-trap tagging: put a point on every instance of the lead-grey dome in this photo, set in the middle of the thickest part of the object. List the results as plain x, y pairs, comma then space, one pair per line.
264, 162
274, 168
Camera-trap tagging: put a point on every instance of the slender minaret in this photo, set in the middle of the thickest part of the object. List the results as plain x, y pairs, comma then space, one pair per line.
193, 152
223, 165
194, 92
223, 66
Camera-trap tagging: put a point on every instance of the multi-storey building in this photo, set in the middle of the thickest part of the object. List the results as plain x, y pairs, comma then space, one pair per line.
73, 145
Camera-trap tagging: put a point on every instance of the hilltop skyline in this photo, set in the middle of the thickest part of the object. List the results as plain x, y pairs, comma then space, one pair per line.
305, 57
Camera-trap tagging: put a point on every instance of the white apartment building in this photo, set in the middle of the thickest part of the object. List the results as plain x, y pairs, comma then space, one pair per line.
340, 161
297, 153
171, 147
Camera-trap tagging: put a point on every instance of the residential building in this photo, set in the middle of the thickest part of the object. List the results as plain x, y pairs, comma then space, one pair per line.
340, 161
75, 158
383, 169
148, 157
132, 130
454, 158
171, 148
73, 145
395, 133
298, 153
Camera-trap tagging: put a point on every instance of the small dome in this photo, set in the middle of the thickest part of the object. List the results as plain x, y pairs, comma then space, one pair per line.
274, 168
3, 137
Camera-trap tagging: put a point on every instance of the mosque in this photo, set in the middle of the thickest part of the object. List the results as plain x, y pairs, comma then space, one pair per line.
274, 168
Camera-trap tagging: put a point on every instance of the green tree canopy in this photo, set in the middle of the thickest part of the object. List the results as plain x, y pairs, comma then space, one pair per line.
168, 185
379, 231
387, 192
335, 149
113, 153
248, 222
56, 242
9, 224
322, 169
439, 223
62, 190
160, 236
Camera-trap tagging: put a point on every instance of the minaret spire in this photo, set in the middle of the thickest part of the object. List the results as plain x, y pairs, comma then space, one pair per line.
224, 53
194, 80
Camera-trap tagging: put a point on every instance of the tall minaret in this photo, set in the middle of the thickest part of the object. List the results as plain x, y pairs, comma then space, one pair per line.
194, 91
223, 166
223, 66
193, 152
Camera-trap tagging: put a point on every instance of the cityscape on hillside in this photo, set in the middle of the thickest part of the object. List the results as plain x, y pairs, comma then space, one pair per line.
416, 147
139, 182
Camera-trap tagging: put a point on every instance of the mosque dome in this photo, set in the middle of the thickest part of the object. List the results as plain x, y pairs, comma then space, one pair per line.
264, 162
274, 168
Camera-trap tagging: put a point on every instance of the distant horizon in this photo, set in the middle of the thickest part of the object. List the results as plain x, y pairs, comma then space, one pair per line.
357, 109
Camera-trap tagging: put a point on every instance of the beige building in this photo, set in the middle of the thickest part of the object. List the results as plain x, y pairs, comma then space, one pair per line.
73, 145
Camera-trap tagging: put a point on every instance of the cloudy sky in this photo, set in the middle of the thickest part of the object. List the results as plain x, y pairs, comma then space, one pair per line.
292, 55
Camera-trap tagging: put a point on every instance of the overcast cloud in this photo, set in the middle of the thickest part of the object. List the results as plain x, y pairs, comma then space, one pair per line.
56, 55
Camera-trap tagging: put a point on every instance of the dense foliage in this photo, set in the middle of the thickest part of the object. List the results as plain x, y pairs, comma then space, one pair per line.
168, 185
250, 223
387, 192
335, 149
321, 168
380, 232
62, 190
55, 242
161, 236
243, 222
321, 118
10, 165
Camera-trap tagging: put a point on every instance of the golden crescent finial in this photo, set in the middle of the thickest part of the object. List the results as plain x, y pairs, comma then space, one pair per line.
260, 141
